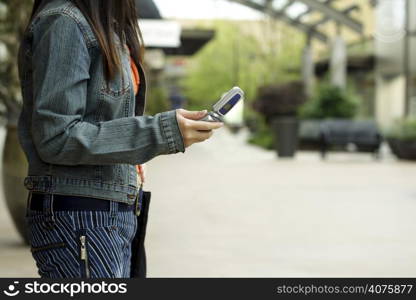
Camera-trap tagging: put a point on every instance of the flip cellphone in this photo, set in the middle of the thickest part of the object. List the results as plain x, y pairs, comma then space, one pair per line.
224, 105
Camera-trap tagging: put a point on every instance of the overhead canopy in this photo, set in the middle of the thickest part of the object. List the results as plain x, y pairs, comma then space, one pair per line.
147, 9
191, 40
293, 12
355, 63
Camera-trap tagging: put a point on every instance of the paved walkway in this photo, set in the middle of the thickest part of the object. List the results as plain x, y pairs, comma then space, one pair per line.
228, 209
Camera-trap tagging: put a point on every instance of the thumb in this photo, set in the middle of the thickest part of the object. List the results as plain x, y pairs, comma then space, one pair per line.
193, 115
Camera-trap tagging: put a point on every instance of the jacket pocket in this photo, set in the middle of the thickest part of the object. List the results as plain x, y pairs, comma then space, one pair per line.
120, 84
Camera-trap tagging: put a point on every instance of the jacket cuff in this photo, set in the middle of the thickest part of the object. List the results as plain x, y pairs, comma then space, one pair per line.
172, 132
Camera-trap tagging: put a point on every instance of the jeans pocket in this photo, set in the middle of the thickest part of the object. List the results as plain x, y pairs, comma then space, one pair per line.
82, 244
53, 248
52, 260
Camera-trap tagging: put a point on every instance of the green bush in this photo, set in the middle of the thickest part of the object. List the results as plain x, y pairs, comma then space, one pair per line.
262, 137
404, 129
157, 100
330, 102
236, 57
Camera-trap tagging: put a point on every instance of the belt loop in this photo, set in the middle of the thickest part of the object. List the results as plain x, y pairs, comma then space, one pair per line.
47, 203
28, 203
113, 212
113, 208
49, 216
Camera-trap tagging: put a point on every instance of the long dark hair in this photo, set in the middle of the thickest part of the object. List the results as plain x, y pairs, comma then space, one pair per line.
106, 18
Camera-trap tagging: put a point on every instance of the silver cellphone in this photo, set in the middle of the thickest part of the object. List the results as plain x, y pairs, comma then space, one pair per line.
224, 105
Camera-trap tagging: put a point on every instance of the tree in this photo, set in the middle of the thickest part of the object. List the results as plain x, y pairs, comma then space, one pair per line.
240, 55
14, 15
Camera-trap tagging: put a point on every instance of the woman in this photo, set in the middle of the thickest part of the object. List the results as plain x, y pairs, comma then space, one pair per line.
84, 134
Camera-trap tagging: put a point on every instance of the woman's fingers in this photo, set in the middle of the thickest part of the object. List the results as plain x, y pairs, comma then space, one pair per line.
195, 131
204, 126
200, 136
192, 115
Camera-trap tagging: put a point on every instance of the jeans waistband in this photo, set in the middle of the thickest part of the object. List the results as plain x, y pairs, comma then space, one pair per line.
71, 202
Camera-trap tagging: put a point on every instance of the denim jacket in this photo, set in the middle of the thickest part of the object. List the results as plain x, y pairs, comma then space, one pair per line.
81, 135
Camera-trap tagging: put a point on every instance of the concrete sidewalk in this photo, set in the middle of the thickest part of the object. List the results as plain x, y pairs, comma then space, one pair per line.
226, 209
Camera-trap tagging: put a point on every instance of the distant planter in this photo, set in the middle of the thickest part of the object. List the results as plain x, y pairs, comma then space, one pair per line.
13, 22
403, 149
402, 139
14, 171
279, 104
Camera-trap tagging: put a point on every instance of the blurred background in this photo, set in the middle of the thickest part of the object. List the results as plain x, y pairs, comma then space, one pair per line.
314, 174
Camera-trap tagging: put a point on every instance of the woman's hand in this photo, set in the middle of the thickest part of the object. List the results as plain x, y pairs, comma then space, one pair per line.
194, 131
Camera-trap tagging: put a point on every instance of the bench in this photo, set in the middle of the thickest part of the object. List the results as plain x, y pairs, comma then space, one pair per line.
362, 134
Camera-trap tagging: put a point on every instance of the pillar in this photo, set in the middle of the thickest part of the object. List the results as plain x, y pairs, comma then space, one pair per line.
338, 62
308, 68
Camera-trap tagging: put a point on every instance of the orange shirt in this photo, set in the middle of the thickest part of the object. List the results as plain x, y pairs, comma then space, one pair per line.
135, 76
136, 83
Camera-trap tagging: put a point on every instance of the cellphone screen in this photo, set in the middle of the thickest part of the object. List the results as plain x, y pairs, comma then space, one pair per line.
230, 104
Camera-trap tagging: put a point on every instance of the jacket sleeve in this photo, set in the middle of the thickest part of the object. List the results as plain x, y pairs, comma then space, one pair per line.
61, 62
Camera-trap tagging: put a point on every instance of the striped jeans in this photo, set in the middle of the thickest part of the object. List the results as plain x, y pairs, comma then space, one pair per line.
81, 243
